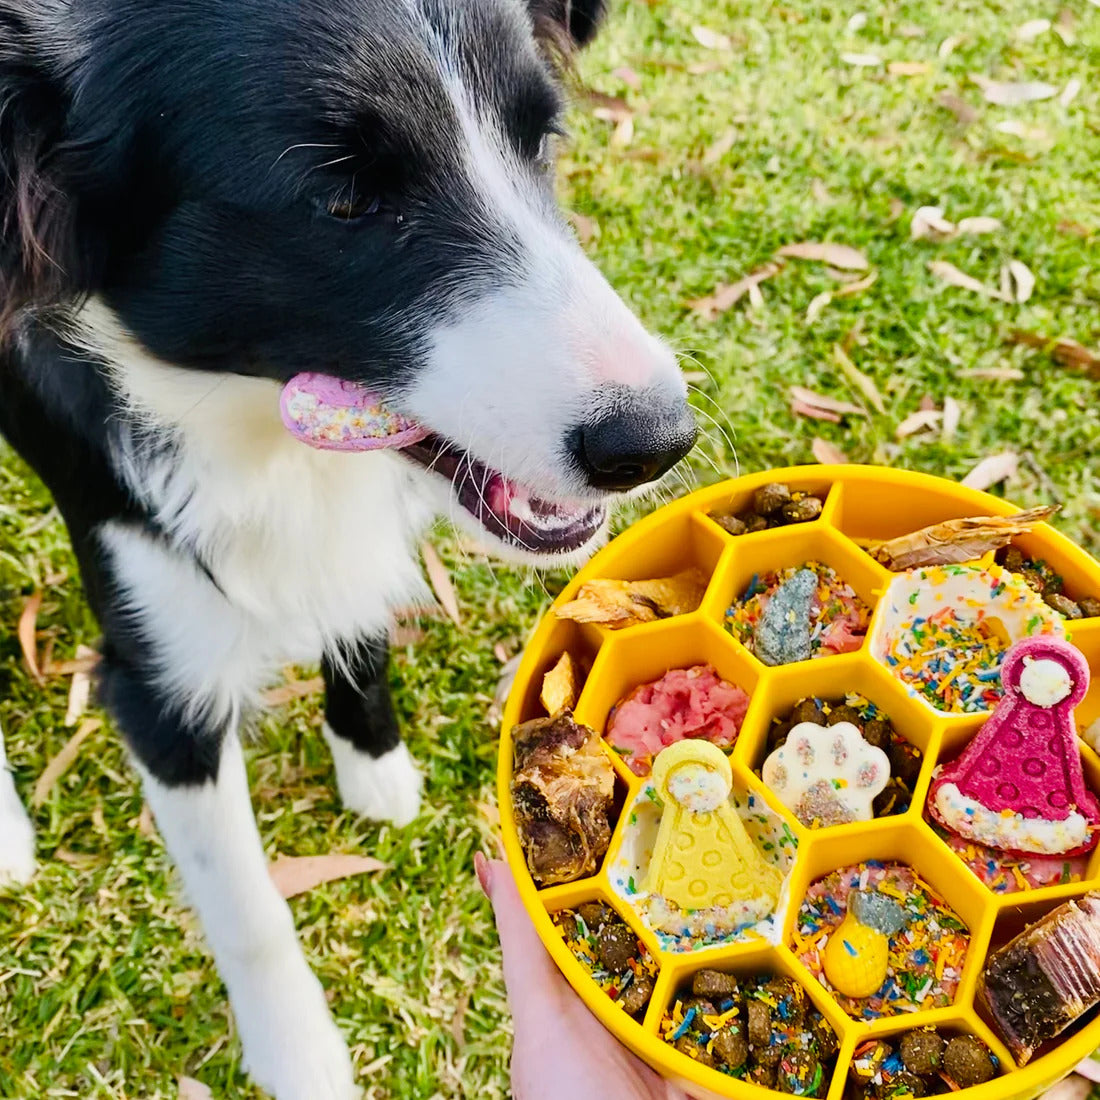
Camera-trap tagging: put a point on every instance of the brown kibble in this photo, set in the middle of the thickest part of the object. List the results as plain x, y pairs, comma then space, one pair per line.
733, 525
807, 711
1012, 558
715, 983
906, 1085
802, 511
567, 922
791, 994
922, 1051
770, 498
763, 1075
753, 522
967, 1062
1062, 604
616, 945
797, 1072
890, 800
703, 1006
905, 763
731, 1045
593, 913
691, 1046
1090, 607
1033, 579
844, 713
777, 734
636, 995
878, 732
760, 1024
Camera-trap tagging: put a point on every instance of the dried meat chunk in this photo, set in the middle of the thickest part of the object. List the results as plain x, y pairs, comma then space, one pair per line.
1045, 979
562, 791
561, 685
618, 604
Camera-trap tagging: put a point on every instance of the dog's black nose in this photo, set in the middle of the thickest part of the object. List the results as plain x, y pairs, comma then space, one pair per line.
639, 441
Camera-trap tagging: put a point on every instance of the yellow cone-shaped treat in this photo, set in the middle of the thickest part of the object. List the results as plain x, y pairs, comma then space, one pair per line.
703, 856
856, 958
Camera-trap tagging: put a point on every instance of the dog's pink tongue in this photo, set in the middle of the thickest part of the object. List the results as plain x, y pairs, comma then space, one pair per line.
334, 415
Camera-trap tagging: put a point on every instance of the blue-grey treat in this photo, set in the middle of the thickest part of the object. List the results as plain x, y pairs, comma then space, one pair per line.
877, 911
783, 633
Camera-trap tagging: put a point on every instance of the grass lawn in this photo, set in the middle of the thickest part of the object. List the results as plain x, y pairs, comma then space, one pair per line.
106, 989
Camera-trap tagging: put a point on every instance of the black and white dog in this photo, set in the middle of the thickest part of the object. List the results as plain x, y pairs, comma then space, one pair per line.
200, 199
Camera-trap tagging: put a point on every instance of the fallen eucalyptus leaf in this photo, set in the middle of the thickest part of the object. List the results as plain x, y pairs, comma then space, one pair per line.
908, 68
950, 274
858, 379
63, 761
862, 60
711, 39
295, 875
991, 470
827, 453
1070, 92
727, 295
1009, 93
839, 255
1020, 282
440, 580
929, 221
917, 422
823, 401
952, 415
1029, 31
27, 632
979, 224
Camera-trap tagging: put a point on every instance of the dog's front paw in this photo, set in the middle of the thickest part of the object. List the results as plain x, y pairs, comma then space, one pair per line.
383, 788
16, 835
292, 1047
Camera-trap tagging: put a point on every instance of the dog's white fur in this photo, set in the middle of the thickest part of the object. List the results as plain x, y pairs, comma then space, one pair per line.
16, 834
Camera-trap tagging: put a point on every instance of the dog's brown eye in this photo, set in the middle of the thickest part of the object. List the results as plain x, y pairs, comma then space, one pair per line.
352, 207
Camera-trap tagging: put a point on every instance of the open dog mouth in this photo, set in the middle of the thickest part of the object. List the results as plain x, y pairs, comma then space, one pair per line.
332, 414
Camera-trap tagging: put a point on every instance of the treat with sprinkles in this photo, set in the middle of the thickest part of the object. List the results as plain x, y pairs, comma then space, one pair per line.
611, 952
836, 622
877, 729
761, 1029
1008, 874
944, 631
925, 955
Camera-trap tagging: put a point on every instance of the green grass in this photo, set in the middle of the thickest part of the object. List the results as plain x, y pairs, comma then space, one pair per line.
105, 987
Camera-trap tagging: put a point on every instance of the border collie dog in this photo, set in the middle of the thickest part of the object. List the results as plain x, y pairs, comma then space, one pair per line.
201, 200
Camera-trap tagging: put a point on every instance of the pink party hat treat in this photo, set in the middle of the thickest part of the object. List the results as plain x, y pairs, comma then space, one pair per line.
335, 415
1019, 786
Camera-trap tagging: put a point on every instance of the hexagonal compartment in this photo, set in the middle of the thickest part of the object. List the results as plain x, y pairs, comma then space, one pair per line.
759, 1027
680, 930
929, 1060
842, 600
904, 929
943, 632
612, 953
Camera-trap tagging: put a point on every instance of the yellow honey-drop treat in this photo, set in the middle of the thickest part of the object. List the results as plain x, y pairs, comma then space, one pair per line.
703, 856
856, 958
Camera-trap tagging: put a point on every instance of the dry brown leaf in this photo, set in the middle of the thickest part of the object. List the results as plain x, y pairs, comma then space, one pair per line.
1022, 130
908, 68
1017, 281
628, 76
858, 379
618, 604
585, 226
965, 113
440, 580
291, 690
856, 286
957, 540
947, 47
61, 763
918, 422
1011, 93
561, 685
993, 374
295, 875
991, 470
711, 39
608, 108
862, 60
28, 635
817, 306
1029, 31
1074, 229
802, 408
839, 255
819, 302
1065, 352
725, 296
952, 415
827, 453
190, 1089
823, 401
80, 691
623, 134
929, 221
950, 274
980, 224
145, 824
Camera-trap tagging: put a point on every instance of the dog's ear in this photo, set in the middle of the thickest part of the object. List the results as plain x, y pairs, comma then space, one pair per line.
38, 247
572, 23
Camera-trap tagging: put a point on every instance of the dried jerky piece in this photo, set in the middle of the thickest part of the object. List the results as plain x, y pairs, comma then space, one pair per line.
922, 1051
562, 791
967, 1061
1045, 979
618, 604
956, 540
715, 983
561, 685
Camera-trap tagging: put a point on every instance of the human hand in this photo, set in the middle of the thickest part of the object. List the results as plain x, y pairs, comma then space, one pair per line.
560, 1048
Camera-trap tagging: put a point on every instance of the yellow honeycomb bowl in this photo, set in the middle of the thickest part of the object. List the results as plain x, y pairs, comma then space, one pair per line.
860, 503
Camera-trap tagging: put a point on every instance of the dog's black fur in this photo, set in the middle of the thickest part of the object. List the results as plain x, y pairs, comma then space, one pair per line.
200, 199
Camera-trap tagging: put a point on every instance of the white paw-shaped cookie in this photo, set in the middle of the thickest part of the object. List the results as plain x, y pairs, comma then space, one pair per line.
827, 775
